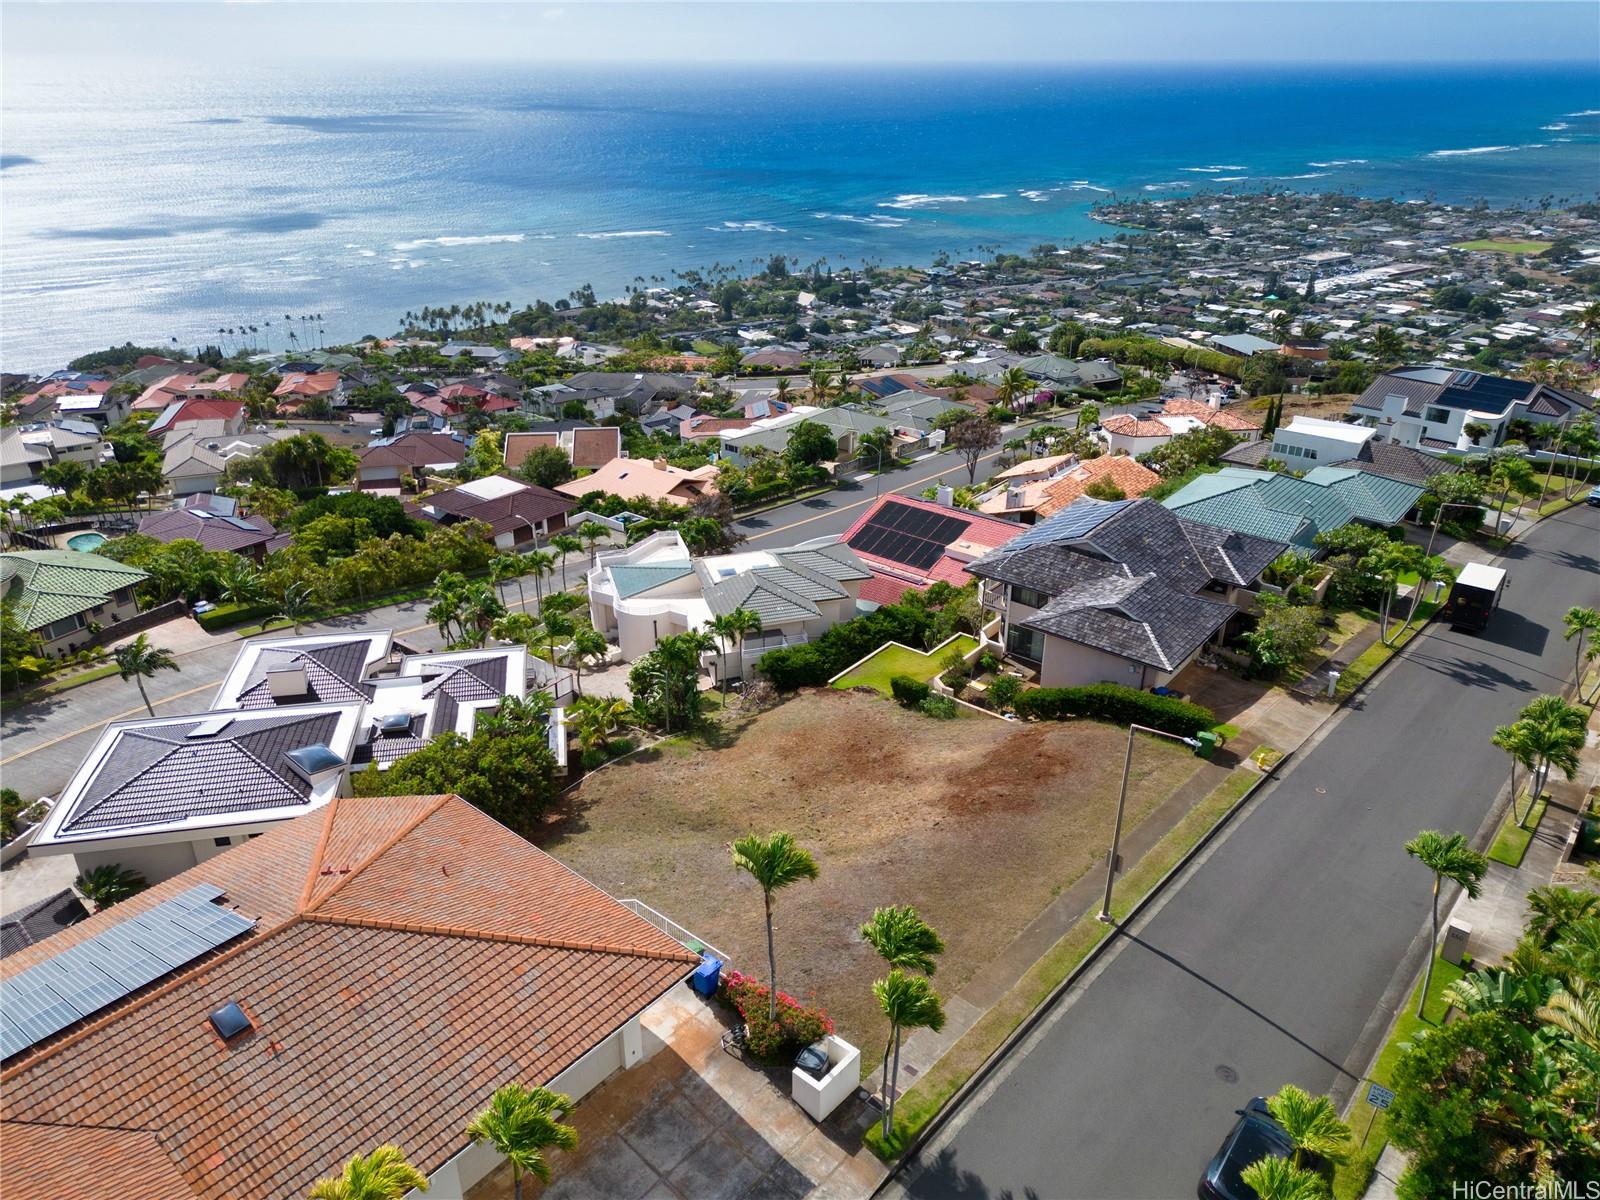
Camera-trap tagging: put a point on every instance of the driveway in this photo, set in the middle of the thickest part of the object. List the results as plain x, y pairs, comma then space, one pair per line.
1281, 954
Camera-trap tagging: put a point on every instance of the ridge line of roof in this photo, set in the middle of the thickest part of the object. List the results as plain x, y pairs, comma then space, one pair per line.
383, 848
461, 931
316, 855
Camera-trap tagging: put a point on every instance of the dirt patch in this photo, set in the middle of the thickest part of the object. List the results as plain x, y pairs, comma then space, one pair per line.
978, 823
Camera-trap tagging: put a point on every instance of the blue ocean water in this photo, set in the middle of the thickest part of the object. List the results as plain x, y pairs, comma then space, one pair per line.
162, 207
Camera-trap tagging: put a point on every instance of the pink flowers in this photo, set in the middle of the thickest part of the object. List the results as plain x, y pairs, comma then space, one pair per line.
797, 1024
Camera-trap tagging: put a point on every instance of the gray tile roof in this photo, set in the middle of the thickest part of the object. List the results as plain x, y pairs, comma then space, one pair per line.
836, 561
1134, 616
158, 774
334, 674
764, 592
32, 924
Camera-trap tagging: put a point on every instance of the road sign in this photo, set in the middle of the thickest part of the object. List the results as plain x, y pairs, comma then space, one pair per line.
1379, 1096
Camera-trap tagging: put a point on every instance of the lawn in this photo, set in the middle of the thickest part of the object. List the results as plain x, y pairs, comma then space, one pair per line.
1511, 843
895, 659
1500, 247
977, 823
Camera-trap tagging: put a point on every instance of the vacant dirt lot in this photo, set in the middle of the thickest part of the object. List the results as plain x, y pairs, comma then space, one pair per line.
975, 822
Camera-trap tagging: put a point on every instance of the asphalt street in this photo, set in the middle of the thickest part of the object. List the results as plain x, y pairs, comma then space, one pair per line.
1268, 961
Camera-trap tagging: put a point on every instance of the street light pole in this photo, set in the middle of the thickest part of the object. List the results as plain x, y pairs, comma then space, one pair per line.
1122, 800
1438, 517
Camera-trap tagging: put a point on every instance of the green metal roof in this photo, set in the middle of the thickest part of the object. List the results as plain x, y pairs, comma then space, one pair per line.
631, 580
47, 585
1287, 509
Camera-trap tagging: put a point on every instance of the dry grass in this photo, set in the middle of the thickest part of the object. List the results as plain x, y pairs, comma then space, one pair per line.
978, 823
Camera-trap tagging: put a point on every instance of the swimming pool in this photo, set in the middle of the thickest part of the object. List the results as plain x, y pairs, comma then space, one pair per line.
86, 541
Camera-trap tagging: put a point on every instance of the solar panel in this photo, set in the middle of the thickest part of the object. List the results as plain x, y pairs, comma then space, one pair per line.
85, 978
906, 534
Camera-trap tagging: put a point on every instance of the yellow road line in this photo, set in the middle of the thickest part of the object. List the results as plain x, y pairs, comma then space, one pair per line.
121, 716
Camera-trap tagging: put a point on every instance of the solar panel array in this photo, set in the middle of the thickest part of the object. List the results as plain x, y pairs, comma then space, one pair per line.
905, 534
1079, 518
85, 978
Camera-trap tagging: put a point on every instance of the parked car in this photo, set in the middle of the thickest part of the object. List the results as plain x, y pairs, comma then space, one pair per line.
1594, 497
1255, 1136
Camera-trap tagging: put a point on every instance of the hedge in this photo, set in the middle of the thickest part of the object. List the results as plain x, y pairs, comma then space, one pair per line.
1113, 702
1143, 350
812, 664
910, 692
225, 616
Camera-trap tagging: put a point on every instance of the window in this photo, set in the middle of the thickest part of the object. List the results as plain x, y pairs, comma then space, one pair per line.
1025, 643
1438, 416
222, 841
61, 628
1028, 598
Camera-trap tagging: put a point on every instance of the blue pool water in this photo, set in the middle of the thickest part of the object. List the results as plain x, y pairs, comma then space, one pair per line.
86, 541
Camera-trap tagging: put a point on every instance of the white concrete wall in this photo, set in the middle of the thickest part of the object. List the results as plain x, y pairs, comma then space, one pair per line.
156, 861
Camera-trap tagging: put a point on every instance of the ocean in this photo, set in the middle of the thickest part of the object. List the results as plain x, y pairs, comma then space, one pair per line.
157, 208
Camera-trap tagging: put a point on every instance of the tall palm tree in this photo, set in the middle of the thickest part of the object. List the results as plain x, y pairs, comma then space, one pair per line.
592, 532
1449, 857
907, 1002
821, 385
1555, 730
1580, 623
905, 941
503, 567
541, 563
382, 1175
138, 660
1311, 1122
742, 623
774, 863
522, 1123
1013, 388
1514, 740
1274, 1178
565, 544
723, 626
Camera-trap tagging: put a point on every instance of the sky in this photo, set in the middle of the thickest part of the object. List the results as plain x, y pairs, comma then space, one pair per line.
737, 33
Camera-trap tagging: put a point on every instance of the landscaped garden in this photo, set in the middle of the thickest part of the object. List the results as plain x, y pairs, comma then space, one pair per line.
876, 671
979, 829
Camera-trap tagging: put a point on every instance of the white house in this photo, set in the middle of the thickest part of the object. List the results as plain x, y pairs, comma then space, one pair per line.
1430, 407
653, 589
1315, 440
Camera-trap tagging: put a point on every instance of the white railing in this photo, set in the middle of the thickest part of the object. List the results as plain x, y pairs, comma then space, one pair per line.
675, 931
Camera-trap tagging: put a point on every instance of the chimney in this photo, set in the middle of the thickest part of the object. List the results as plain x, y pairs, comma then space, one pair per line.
287, 685
945, 496
1014, 495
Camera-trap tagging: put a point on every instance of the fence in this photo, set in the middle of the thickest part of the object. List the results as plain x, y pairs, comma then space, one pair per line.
675, 931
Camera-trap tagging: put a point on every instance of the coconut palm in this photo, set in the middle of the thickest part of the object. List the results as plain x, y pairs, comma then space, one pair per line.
1279, 1179
1311, 1122
565, 544
1013, 388
1555, 730
382, 1175
1449, 857
522, 1123
907, 1002
1580, 623
1514, 740
138, 660
592, 533
107, 885
774, 863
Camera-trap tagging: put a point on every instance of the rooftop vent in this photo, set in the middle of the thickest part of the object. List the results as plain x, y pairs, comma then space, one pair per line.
286, 684
230, 1021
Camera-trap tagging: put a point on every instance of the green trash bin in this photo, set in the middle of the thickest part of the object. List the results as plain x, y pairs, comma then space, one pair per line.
1208, 744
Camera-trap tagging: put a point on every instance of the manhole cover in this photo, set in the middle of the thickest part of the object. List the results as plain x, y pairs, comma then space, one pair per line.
1227, 1074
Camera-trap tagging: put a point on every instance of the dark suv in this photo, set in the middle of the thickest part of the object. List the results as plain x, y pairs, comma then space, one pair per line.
1254, 1137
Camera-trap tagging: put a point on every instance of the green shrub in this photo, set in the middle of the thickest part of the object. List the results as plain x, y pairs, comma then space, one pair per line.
956, 678
953, 660
812, 664
988, 663
797, 1025
908, 691
941, 707
1003, 692
1115, 703
225, 616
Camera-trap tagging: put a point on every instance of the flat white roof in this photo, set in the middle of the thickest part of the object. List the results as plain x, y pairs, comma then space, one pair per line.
492, 487
1323, 428
1478, 575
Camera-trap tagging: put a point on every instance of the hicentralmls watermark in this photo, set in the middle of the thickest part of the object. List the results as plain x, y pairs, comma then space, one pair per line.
1557, 1189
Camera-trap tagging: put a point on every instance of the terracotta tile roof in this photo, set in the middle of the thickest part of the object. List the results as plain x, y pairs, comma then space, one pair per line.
1128, 425
1133, 478
368, 1027
595, 447
322, 383
518, 445
1222, 418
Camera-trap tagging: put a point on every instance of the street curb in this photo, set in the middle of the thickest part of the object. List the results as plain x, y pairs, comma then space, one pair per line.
1032, 1021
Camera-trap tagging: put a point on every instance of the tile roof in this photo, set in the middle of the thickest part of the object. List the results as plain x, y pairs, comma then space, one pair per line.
1284, 508
521, 506
595, 447
1221, 418
166, 772
410, 955
769, 592
39, 920
1134, 479
334, 674
979, 531
634, 477
211, 531
47, 585
413, 450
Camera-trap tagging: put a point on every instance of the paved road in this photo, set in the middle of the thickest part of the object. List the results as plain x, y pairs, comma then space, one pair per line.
1266, 963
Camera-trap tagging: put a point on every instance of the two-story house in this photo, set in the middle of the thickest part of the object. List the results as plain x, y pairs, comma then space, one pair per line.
1430, 407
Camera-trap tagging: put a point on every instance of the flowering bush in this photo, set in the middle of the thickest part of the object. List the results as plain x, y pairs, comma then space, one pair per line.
797, 1025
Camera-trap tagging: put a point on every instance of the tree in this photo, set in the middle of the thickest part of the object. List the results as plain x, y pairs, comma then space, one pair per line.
138, 660
665, 682
595, 718
1514, 740
1387, 344
1311, 1122
1088, 415
1510, 474
547, 466
538, 563
1579, 623
565, 544
507, 566
522, 1124
20, 659
774, 862
811, 442
972, 437
1554, 730
1014, 388
905, 941
587, 644
735, 626
1448, 857
592, 534
1274, 1178
107, 885
294, 604
1284, 634
907, 1002
382, 1175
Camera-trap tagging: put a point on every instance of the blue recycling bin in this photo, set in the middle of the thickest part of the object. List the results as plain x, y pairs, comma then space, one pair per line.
706, 976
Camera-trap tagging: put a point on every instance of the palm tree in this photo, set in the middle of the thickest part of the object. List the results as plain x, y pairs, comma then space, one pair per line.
1555, 730
736, 625
904, 941
1448, 857
1580, 623
1279, 1179
774, 863
1014, 387
1311, 1122
522, 1123
541, 563
1514, 740
507, 566
821, 385
587, 643
592, 532
138, 660
295, 604
565, 544
908, 1002
723, 626
1510, 475
1552, 909
107, 885
596, 718
382, 1175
